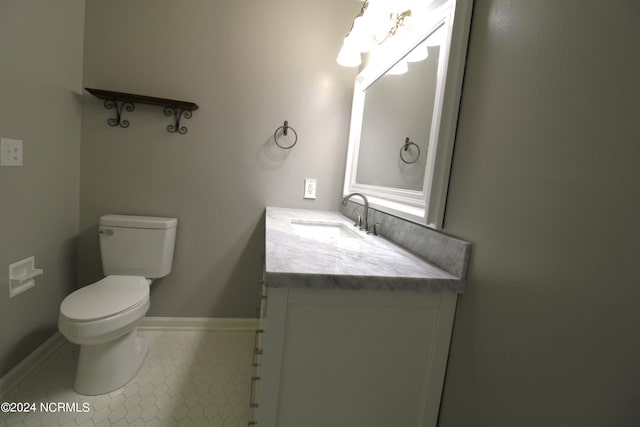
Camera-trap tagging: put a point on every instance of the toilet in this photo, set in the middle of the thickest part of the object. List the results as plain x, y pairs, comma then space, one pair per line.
102, 317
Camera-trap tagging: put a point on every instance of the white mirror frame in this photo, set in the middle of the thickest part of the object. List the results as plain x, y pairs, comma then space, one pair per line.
426, 206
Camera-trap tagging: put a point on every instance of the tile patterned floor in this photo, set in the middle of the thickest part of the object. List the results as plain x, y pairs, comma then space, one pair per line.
190, 378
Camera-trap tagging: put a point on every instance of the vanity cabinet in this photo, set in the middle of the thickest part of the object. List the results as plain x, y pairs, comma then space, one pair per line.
333, 357
357, 328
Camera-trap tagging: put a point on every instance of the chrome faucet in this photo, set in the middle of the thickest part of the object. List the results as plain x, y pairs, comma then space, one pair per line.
363, 223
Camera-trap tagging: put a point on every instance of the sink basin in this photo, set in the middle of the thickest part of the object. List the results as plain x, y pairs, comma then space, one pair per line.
324, 230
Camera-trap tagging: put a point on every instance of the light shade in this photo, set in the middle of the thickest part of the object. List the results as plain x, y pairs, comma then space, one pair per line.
360, 35
348, 56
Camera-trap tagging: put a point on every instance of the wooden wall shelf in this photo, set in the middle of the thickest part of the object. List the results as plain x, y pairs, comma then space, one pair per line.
126, 101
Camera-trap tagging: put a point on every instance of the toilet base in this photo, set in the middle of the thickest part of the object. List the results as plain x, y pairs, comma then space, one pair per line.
106, 367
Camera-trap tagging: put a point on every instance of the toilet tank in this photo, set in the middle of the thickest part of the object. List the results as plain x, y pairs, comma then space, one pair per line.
137, 245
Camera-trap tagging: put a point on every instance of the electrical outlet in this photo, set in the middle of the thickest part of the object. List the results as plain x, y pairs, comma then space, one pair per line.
10, 152
309, 188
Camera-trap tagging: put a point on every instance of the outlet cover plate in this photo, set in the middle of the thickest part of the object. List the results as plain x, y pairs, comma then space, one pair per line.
309, 188
10, 152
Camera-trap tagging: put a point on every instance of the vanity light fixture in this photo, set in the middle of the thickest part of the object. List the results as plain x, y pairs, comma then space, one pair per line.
373, 26
356, 41
397, 21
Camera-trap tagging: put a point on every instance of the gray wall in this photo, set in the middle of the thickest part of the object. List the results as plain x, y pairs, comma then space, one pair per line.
545, 184
249, 65
40, 80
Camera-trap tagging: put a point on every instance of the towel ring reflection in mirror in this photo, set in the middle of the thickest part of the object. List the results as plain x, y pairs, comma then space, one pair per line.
285, 130
405, 147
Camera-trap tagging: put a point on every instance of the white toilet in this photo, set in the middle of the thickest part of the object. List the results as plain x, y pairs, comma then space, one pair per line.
102, 317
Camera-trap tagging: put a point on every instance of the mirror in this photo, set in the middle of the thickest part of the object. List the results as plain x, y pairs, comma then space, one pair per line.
396, 122
404, 115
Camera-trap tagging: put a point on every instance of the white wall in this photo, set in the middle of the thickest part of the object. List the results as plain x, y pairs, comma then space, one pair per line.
545, 185
249, 66
40, 81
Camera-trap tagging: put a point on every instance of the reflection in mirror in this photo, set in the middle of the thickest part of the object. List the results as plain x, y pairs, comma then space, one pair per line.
396, 122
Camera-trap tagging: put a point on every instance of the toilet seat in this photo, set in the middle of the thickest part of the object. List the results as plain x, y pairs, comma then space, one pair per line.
105, 298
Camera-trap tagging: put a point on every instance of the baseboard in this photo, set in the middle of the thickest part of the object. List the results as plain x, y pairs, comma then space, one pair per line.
29, 363
197, 324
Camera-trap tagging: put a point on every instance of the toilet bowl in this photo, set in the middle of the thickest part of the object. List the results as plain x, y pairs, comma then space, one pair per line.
102, 319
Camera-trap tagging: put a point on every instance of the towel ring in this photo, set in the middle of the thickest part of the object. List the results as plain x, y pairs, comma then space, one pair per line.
285, 128
405, 147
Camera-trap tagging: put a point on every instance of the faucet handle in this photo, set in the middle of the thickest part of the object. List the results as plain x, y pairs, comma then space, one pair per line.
373, 229
358, 222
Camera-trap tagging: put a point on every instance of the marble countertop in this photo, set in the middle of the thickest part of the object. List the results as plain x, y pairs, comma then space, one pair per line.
370, 262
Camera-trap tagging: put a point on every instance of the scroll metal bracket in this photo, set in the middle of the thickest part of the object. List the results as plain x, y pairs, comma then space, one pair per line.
177, 113
111, 104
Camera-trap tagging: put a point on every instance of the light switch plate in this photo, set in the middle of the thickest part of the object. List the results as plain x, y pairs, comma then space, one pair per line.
309, 188
10, 152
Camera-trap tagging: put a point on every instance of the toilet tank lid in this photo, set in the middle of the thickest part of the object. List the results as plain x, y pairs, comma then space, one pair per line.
134, 221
